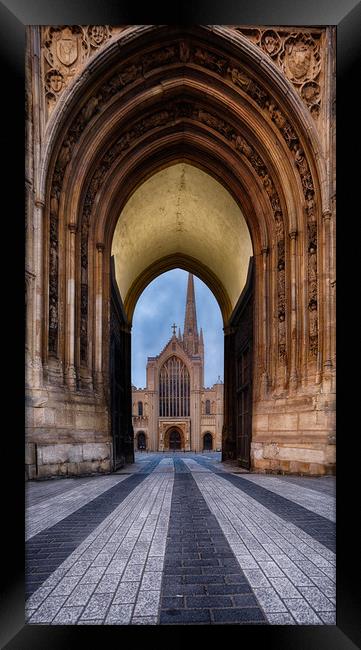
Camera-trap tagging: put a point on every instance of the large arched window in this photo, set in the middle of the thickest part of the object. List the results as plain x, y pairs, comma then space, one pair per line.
208, 406
174, 389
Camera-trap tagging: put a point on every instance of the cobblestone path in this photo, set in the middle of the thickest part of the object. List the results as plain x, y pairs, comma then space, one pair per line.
180, 539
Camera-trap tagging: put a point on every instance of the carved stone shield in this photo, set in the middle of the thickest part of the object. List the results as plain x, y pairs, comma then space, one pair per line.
299, 59
67, 50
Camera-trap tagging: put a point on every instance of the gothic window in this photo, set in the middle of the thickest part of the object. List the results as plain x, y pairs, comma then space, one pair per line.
208, 407
174, 389
140, 408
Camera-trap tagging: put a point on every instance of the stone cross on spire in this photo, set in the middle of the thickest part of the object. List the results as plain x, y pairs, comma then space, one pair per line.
174, 327
190, 336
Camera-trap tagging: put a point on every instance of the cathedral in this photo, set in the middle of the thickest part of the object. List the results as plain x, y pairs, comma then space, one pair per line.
175, 411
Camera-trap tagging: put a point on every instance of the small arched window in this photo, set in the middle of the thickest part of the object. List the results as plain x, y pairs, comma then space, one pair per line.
140, 408
208, 407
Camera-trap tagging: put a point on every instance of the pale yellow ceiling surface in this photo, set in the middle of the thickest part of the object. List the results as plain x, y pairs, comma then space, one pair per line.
183, 210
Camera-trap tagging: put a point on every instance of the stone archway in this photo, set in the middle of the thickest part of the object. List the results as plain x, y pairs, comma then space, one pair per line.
207, 441
174, 439
141, 441
154, 97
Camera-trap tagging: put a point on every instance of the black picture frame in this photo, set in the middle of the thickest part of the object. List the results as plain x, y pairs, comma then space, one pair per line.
14, 16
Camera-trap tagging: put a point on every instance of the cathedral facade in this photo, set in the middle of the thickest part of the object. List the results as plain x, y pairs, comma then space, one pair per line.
175, 411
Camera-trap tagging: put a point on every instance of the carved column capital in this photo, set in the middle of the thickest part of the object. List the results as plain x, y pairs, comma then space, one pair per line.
265, 251
293, 234
72, 227
326, 214
39, 203
100, 247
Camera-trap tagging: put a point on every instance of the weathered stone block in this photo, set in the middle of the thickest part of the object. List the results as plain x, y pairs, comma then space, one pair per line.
271, 450
73, 469
52, 454
75, 454
301, 454
283, 422
29, 453
43, 417
260, 422
95, 451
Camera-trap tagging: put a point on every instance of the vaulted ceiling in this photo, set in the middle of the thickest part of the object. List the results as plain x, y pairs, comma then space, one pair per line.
182, 211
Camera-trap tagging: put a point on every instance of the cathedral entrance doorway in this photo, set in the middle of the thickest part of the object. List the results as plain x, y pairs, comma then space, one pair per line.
207, 442
174, 440
141, 441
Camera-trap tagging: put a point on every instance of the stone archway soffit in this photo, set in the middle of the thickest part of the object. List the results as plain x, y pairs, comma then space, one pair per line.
209, 64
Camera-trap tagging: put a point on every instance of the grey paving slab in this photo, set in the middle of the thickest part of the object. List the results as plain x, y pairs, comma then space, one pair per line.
273, 571
233, 560
322, 504
208, 587
51, 510
94, 594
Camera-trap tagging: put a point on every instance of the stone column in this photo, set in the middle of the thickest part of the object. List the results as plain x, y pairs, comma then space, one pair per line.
264, 323
294, 333
98, 334
70, 374
37, 379
327, 289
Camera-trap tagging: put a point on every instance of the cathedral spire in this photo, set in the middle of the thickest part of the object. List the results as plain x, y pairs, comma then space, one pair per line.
190, 335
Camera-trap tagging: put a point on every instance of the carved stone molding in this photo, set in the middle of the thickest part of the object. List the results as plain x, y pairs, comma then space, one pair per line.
298, 54
170, 114
230, 70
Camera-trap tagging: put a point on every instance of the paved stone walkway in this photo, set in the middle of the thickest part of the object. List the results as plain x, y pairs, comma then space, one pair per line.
177, 540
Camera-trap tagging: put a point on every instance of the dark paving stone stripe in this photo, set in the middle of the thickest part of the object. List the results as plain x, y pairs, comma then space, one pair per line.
48, 549
324, 484
318, 527
202, 580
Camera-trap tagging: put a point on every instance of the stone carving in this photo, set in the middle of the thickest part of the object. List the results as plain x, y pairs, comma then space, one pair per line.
209, 60
271, 42
224, 67
98, 34
184, 51
300, 58
298, 54
159, 58
171, 112
65, 51
282, 341
83, 323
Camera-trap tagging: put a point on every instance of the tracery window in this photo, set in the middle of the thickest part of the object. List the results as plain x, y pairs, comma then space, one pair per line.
174, 389
208, 407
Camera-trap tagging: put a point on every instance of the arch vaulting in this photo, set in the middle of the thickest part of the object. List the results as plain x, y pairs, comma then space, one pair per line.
204, 113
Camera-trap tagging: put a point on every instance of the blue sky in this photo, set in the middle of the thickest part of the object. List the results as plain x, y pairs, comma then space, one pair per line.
161, 304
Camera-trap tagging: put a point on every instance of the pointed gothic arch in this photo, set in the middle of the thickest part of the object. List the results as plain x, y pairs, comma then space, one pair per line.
153, 97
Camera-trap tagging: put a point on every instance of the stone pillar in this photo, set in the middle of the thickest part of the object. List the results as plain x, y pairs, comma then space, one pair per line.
264, 322
70, 374
293, 315
327, 288
37, 346
98, 334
